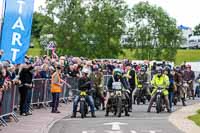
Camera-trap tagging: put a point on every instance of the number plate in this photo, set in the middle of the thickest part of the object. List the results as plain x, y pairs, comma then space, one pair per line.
117, 85
82, 99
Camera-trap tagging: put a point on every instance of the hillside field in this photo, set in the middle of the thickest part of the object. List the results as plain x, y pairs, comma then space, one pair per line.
182, 55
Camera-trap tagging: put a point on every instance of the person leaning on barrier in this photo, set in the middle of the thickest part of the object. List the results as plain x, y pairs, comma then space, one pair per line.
158, 80
56, 88
2, 87
25, 89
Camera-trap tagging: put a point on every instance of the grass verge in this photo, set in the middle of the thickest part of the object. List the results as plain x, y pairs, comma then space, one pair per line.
181, 56
195, 118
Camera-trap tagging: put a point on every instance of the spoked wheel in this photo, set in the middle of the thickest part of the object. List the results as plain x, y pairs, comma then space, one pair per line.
119, 106
82, 109
158, 104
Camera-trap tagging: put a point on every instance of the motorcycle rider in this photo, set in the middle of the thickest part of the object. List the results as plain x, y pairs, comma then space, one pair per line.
189, 76
132, 80
142, 79
97, 82
160, 79
84, 84
178, 78
117, 77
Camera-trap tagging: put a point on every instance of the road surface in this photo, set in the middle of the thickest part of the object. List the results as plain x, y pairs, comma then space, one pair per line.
139, 122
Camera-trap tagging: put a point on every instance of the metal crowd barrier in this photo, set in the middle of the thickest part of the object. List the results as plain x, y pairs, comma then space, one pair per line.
7, 105
40, 95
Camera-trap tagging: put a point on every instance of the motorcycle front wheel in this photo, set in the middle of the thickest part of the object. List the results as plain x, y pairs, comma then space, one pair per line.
82, 109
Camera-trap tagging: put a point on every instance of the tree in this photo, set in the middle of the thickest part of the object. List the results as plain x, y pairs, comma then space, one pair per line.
105, 26
197, 30
41, 24
153, 32
88, 28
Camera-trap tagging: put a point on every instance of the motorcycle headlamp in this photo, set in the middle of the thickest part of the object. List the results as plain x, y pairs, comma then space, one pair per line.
111, 94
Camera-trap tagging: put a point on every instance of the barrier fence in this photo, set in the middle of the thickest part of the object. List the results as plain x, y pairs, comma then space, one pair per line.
40, 94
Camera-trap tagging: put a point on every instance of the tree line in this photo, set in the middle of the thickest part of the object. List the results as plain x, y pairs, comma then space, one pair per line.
93, 29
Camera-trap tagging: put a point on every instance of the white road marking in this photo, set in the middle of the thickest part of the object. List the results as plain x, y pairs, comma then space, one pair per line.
115, 125
113, 132
151, 131
89, 131
133, 131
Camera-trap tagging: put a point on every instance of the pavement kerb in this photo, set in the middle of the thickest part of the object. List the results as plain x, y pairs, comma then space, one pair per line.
50, 124
181, 121
48, 127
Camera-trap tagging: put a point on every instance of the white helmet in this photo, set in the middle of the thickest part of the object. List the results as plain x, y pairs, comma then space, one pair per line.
85, 70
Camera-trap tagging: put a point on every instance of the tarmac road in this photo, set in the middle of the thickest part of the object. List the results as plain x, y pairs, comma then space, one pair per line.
139, 122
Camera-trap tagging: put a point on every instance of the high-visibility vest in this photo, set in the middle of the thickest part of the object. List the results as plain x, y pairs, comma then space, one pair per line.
55, 87
160, 81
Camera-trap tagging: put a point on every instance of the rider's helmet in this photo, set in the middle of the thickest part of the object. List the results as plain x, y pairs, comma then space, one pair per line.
142, 70
117, 73
159, 71
177, 69
167, 70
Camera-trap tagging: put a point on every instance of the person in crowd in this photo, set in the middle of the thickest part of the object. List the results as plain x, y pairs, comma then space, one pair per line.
97, 82
37, 74
132, 80
178, 78
160, 80
84, 84
45, 72
12, 72
71, 72
189, 76
197, 90
172, 88
2, 87
25, 90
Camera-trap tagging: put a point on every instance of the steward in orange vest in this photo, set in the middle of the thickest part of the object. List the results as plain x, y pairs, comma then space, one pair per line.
56, 89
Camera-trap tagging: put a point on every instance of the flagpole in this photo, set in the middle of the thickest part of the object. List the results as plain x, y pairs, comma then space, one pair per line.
2, 18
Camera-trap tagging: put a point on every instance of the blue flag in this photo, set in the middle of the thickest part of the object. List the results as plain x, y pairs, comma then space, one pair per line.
16, 31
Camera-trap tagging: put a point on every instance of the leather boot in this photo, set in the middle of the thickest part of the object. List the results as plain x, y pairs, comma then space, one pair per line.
73, 115
167, 104
183, 101
93, 114
107, 112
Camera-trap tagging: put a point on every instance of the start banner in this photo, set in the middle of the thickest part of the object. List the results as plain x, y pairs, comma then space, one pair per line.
16, 31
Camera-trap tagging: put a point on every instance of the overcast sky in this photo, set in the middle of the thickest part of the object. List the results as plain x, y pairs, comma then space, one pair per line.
186, 12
